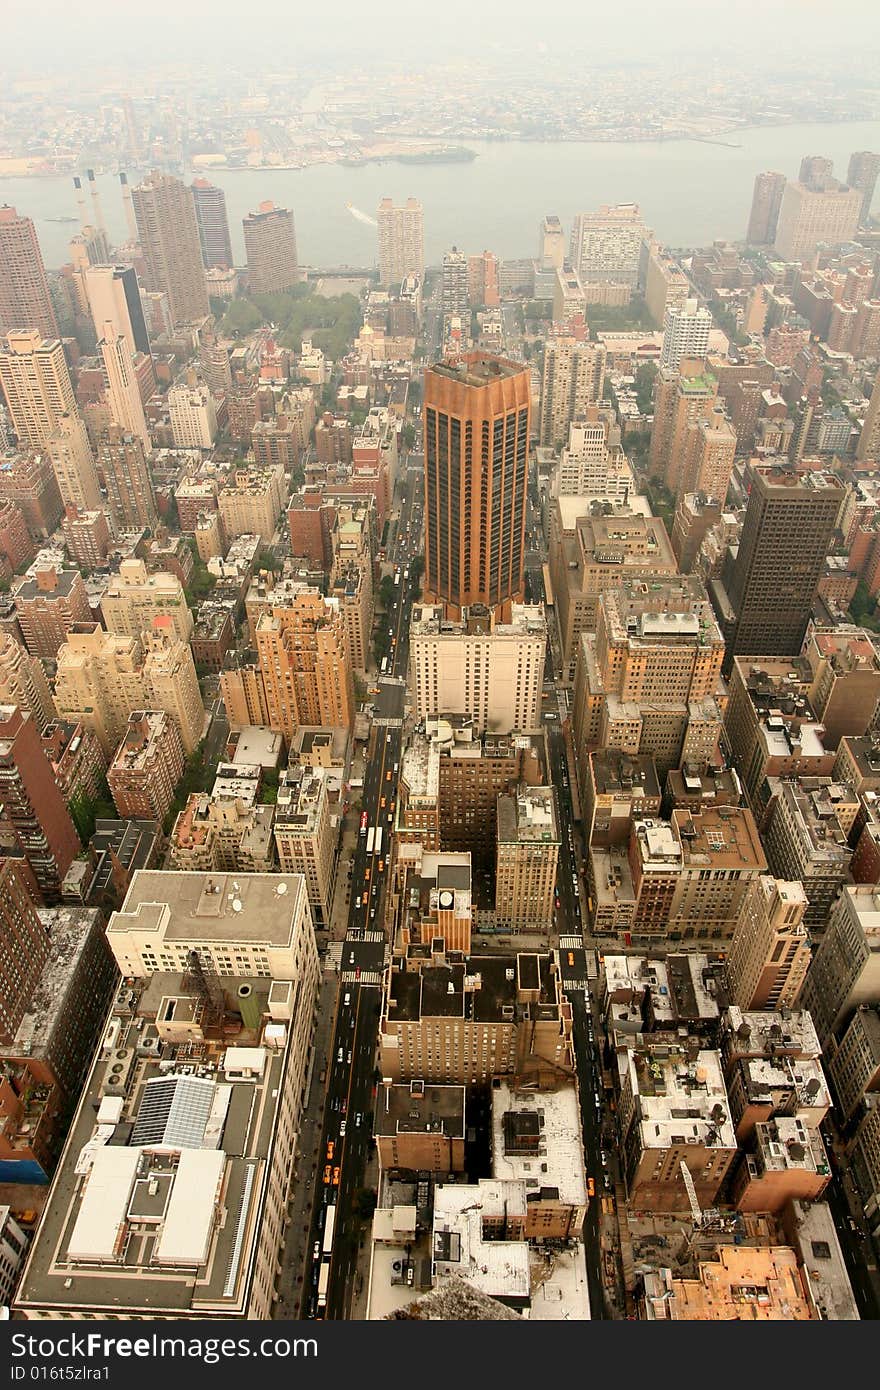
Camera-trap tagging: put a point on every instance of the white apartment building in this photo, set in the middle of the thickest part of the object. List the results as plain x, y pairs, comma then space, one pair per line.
193, 416
607, 245
686, 330
491, 671
134, 598
594, 465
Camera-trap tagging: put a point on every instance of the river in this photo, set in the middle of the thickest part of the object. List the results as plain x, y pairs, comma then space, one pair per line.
690, 192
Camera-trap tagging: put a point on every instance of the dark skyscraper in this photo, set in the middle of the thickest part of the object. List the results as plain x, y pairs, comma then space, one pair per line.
766, 202
772, 584
476, 421
25, 304
864, 166
24, 945
31, 804
213, 223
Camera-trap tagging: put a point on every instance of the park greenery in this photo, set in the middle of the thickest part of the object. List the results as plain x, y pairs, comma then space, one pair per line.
332, 324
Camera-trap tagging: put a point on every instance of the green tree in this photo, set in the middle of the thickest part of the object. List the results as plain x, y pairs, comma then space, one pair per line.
240, 318
85, 809
408, 436
417, 567
386, 591
646, 375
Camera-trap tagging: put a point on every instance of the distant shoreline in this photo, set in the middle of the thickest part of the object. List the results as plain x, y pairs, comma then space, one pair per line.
464, 154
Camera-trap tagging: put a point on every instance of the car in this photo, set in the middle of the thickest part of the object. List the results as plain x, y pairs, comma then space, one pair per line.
328, 1175
591, 1187
367, 874
330, 1147
388, 775
351, 953
335, 1177
597, 1102
365, 898
558, 904
349, 1055
381, 865
571, 957
339, 1055
344, 1106
346, 998
363, 823
316, 1250
372, 913
342, 1130
390, 817
357, 973
603, 1158
606, 1180
384, 802
357, 1120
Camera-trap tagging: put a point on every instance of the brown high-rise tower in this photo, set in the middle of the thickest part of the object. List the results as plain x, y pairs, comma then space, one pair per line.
476, 421
169, 233
25, 306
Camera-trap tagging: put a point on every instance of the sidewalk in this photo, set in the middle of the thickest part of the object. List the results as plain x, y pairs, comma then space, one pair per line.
296, 1257
357, 1305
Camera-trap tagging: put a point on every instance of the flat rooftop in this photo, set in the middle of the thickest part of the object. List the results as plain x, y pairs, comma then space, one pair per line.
558, 1157
68, 929
157, 1203
680, 1097
719, 837
475, 370
418, 1108
191, 906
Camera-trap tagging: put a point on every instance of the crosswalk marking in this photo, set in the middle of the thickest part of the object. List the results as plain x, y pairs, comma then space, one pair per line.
366, 977
571, 943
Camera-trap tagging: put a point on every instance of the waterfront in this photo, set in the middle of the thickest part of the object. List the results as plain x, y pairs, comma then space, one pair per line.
690, 192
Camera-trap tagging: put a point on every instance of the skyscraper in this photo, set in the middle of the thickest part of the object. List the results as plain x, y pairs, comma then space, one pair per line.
685, 333
25, 305
607, 245
401, 241
868, 446
123, 395
455, 282
786, 535
864, 166
810, 214
816, 172
213, 224
552, 247
74, 465
36, 384
24, 946
31, 804
476, 427
270, 245
766, 202
114, 297
169, 235
129, 487
573, 378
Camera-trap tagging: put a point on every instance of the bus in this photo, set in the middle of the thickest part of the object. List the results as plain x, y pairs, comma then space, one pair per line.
323, 1282
371, 839
384, 667
328, 1231
378, 845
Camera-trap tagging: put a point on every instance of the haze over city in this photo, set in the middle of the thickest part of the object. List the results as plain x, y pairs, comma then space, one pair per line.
439, 667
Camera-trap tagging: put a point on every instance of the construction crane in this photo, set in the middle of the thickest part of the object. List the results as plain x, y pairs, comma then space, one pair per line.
696, 1210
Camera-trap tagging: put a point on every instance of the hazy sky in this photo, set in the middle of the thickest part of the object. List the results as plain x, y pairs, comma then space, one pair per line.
292, 31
